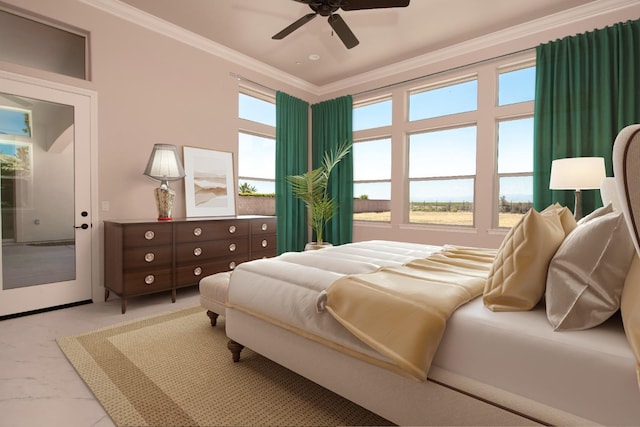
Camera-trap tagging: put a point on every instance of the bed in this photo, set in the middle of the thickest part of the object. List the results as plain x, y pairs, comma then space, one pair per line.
500, 366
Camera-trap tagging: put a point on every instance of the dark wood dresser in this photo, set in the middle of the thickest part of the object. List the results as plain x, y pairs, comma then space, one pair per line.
144, 257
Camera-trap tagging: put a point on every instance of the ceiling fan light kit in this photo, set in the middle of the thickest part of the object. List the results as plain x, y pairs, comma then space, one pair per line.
329, 7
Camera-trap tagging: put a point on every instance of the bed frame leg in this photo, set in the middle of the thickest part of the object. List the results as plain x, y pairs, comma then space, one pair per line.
235, 348
213, 316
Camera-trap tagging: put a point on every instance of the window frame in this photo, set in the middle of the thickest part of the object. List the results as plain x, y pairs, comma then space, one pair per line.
486, 118
373, 134
250, 127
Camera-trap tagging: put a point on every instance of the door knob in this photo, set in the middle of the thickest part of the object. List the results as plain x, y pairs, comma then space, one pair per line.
83, 226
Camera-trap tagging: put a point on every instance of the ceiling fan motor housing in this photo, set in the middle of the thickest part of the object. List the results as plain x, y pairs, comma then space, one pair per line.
327, 8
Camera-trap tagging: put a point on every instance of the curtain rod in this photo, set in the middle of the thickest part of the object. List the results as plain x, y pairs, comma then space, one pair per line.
460, 67
239, 77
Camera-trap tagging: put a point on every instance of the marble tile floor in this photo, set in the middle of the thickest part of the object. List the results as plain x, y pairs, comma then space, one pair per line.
38, 386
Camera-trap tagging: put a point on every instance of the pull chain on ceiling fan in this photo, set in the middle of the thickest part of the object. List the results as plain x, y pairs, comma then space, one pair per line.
328, 7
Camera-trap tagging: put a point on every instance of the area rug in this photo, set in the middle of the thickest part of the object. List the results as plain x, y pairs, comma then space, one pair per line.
175, 369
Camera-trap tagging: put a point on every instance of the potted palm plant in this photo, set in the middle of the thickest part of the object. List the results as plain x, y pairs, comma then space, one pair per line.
311, 187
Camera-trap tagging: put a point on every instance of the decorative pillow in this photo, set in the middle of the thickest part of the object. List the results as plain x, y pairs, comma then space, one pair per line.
595, 214
587, 273
609, 193
566, 217
630, 308
517, 277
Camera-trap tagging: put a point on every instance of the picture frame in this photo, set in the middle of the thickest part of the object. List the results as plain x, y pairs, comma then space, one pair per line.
209, 182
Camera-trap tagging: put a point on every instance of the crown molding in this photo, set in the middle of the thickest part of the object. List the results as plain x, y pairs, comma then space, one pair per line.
577, 14
153, 23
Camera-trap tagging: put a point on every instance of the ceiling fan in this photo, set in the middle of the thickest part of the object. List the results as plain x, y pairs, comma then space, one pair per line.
328, 7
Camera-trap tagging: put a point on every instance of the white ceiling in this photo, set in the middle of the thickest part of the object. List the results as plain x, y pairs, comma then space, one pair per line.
386, 36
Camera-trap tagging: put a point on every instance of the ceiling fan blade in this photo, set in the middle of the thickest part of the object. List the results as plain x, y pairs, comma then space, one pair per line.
343, 31
372, 4
291, 28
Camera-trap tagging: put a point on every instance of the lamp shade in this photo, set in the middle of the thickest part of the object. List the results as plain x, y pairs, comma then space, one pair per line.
577, 173
164, 163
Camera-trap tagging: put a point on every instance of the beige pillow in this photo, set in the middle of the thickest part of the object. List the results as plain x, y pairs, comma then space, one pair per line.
630, 307
587, 273
518, 275
566, 217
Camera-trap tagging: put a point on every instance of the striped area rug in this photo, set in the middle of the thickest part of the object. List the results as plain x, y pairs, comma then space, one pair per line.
174, 369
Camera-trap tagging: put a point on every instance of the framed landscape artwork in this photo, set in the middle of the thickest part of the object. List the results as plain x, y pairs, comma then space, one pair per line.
209, 183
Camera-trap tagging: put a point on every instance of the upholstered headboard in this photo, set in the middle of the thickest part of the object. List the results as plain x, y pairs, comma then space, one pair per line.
626, 169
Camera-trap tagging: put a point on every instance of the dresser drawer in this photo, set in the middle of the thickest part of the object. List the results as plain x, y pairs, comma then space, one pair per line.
193, 231
147, 235
263, 243
263, 226
194, 251
146, 281
191, 274
147, 257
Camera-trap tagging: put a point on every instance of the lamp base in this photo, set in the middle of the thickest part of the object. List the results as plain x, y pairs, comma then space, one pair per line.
164, 202
577, 210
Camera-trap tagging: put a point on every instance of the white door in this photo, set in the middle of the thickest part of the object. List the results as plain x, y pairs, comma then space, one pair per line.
45, 196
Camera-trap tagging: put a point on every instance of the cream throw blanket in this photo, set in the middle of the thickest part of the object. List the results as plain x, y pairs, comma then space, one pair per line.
401, 312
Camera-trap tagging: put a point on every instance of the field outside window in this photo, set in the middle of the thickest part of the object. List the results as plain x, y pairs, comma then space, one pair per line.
442, 167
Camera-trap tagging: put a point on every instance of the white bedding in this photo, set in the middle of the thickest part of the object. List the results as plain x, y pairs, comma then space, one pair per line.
286, 289
589, 372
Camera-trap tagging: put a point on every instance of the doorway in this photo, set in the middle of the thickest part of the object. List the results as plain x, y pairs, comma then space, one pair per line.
45, 195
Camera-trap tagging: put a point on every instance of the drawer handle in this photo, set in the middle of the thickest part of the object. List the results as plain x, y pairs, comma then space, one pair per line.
232, 247
232, 229
149, 279
149, 235
197, 271
232, 265
197, 231
149, 256
264, 227
197, 251
264, 243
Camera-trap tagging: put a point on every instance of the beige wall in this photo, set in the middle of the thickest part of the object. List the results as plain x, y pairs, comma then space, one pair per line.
154, 89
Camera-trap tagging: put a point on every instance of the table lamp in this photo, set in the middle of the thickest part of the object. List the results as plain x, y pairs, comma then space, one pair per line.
577, 173
164, 165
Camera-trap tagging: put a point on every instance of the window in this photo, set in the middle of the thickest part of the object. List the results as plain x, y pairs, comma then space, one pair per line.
256, 153
38, 44
256, 163
516, 86
515, 170
256, 109
372, 180
445, 100
15, 121
372, 160
467, 137
516, 92
372, 115
442, 167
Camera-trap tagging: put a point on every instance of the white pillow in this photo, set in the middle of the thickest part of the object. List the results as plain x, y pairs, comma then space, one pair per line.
609, 193
595, 214
587, 273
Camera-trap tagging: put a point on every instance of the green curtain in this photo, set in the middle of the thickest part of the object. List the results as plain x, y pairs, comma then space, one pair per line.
587, 90
331, 126
292, 142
